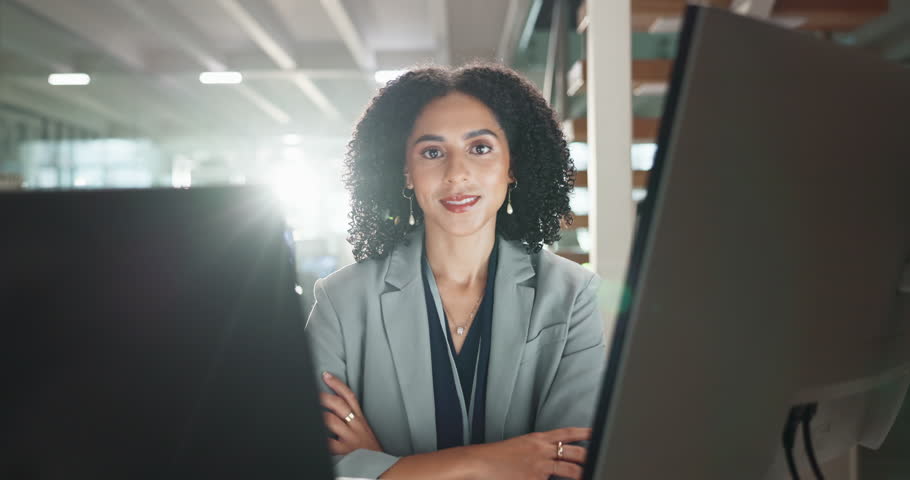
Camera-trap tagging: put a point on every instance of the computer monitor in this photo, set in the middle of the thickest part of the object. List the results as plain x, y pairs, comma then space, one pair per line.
770, 262
153, 334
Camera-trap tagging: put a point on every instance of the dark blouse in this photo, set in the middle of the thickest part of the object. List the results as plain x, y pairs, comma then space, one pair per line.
475, 353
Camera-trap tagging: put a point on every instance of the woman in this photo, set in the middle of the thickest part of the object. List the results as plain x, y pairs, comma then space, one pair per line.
456, 347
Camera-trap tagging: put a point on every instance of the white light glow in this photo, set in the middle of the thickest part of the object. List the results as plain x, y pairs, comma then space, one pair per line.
182, 172
299, 193
579, 201
299, 290
60, 79
386, 76
579, 152
292, 154
220, 78
643, 156
292, 139
182, 179
666, 25
651, 89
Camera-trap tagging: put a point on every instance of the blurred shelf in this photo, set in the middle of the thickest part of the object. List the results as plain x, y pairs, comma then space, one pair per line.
639, 179
644, 130
575, 78
577, 257
647, 13
581, 178
649, 77
579, 221
582, 16
825, 15
830, 15
576, 129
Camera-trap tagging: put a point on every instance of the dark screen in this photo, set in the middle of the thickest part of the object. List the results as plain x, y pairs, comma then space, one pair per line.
153, 334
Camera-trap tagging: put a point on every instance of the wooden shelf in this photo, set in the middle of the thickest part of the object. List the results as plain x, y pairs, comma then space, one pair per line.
646, 12
644, 72
577, 257
639, 179
826, 15
579, 221
576, 129
831, 15
651, 72
644, 130
581, 178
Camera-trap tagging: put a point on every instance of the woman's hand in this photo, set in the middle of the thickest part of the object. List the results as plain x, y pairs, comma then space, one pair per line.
345, 419
533, 456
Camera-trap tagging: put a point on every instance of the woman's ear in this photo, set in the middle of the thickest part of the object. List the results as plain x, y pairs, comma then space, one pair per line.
407, 180
512, 177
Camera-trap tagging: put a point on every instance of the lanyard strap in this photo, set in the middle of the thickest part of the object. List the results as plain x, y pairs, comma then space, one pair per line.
467, 416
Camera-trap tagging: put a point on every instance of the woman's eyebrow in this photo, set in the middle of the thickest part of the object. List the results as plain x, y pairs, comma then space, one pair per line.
477, 133
471, 134
429, 138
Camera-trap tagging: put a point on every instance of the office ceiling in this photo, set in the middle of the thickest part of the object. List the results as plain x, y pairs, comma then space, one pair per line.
308, 65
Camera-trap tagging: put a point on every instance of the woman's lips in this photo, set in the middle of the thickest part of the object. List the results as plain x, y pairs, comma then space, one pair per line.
459, 203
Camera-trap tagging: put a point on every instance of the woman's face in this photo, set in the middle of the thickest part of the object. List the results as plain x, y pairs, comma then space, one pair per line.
458, 164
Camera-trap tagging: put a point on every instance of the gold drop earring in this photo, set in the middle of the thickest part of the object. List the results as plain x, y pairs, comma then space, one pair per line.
411, 220
509, 208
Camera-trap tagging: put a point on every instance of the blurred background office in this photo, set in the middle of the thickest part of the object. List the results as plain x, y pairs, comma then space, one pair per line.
168, 93
190, 93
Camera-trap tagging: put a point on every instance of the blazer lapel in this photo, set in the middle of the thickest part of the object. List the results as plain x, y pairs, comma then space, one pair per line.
513, 298
404, 317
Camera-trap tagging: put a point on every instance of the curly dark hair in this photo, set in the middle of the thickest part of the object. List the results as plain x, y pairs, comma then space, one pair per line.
375, 157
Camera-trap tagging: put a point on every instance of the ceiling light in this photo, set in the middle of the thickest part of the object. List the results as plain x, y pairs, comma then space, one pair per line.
386, 76
69, 79
220, 78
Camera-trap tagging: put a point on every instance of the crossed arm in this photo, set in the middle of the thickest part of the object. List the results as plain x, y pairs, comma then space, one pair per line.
531, 456
535, 455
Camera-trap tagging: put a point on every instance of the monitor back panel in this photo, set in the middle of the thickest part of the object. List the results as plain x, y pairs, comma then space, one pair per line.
769, 250
153, 334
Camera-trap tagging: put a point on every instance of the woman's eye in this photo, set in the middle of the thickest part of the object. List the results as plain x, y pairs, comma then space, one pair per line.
432, 153
481, 149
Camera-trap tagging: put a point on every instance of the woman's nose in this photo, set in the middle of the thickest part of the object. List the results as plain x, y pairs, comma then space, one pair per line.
457, 170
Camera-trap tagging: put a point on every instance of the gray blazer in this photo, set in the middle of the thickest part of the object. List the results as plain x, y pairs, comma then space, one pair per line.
369, 328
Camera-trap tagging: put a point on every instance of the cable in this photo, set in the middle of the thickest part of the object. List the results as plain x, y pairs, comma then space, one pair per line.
808, 413
789, 438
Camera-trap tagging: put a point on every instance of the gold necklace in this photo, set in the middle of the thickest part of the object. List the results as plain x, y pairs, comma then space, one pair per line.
460, 329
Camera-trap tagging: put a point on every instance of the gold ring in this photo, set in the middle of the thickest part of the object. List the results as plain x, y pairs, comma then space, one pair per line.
559, 450
349, 417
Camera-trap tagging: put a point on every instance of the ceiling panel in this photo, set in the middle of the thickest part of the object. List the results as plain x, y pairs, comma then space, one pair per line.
394, 24
305, 20
213, 22
99, 22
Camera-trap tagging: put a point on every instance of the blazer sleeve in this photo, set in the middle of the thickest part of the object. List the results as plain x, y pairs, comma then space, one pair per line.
573, 393
326, 341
